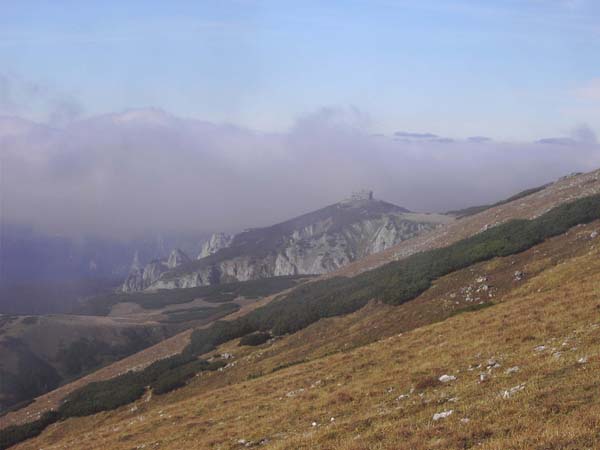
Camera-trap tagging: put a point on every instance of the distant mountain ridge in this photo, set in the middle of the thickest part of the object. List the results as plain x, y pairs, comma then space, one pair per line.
314, 243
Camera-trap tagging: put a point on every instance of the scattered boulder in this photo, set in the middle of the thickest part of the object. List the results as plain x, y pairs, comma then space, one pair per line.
519, 275
493, 364
594, 235
442, 415
294, 393
510, 370
512, 391
447, 378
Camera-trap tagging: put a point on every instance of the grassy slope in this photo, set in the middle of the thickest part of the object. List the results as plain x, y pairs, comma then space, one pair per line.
558, 408
472, 210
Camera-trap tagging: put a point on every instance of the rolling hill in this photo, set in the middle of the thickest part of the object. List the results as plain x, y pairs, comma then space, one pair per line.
39, 353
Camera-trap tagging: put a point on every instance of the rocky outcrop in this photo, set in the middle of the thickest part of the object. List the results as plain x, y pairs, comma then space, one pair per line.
135, 279
177, 258
140, 278
216, 242
315, 243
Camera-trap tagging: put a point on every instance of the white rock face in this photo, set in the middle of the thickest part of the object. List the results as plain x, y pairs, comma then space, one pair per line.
313, 244
135, 279
311, 250
141, 278
216, 242
177, 258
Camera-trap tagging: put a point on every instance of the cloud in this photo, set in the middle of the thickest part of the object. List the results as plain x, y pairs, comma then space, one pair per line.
144, 171
557, 141
408, 135
404, 136
20, 96
585, 135
590, 91
478, 139
582, 135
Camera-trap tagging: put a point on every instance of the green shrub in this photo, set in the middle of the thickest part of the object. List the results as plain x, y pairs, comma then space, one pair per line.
176, 378
103, 396
254, 339
471, 308
17, 433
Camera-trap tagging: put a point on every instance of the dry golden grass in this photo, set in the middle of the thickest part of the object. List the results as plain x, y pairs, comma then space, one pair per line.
383, 395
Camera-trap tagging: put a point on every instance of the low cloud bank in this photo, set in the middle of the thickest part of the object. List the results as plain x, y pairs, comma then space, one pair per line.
142, 171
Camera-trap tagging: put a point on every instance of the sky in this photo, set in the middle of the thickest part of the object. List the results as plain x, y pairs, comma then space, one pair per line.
509, 69
220, 115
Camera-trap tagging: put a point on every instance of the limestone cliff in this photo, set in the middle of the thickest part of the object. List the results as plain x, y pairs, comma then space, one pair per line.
140, 278
314, 243
216, 242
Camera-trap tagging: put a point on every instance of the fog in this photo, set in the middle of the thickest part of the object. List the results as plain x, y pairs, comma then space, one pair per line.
142, 171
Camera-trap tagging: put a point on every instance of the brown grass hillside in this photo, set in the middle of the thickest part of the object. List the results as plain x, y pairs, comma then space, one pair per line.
526, 372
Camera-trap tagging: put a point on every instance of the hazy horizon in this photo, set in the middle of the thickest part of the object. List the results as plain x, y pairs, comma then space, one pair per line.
126, 119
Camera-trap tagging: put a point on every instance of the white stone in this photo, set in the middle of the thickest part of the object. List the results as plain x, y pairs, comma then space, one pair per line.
512, 391
447, 378
442, 415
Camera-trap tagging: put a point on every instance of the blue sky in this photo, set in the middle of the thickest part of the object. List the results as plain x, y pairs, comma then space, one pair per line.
517, 70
